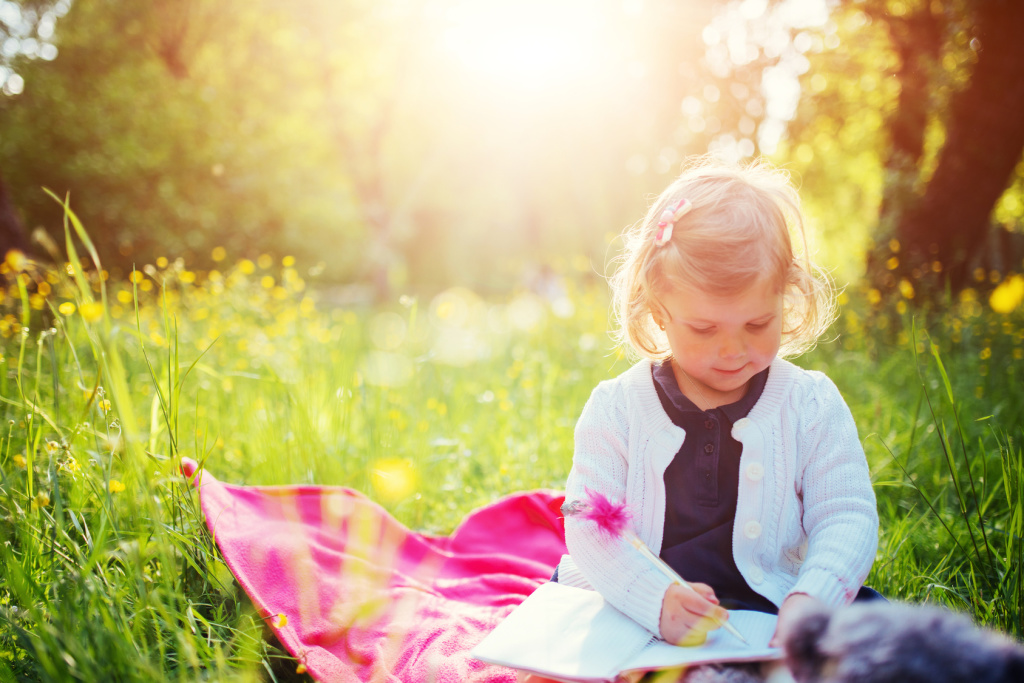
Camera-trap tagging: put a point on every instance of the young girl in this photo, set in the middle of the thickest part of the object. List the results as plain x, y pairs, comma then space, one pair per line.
743, 471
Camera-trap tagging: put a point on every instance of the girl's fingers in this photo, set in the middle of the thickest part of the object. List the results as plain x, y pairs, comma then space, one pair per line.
705, 591
687, 615
701, 609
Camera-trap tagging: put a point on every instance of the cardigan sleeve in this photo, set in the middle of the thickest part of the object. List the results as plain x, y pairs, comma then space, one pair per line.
840, 515
601, 463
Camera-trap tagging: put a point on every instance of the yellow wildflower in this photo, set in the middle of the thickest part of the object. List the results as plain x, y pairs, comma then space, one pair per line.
19, 460
906, 289
16, 260
394, 478
218, 254
91, 311
66, 308
300, 669
104, 405
161, 261
116, 486
288, 261
1008, 295
52, 447
41, 500
281, 620
247, 266
874, 296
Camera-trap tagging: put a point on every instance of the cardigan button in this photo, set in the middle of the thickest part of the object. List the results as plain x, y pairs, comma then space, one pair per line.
752, 529
755, 575
755, 471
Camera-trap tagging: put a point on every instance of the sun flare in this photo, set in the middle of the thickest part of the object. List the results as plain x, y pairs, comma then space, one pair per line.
525, 44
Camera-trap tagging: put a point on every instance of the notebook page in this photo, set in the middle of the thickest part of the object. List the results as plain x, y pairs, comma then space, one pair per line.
721, 646
564, 632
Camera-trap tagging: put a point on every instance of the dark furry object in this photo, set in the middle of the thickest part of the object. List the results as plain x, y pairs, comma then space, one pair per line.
878, 642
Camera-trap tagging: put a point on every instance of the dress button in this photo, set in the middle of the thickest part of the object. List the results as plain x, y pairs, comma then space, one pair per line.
708, 424
709, 448
755, 575
752, 529
755, 471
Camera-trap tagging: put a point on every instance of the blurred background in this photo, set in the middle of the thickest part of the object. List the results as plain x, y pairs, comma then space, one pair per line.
413, 145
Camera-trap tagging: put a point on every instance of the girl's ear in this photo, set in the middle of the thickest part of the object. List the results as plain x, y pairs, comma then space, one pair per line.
658, 313
659, 318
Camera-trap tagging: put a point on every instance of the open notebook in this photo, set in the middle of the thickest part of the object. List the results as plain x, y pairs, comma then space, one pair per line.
574, 635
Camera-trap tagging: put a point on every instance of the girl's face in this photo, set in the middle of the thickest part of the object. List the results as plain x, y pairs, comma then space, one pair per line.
720, 342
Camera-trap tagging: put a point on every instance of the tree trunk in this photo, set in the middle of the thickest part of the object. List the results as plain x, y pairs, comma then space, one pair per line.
984, 142
918, 41
12, 235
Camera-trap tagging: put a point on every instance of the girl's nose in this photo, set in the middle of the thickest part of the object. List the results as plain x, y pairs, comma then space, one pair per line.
731, 348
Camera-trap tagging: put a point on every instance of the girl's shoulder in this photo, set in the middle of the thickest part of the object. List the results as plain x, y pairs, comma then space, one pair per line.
631, 396
637, 380
792, 388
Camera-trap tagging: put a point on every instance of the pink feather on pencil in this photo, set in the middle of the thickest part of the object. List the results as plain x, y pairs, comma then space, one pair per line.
611, 518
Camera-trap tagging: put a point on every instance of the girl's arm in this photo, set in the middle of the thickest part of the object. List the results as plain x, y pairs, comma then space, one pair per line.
601, 463
840, 515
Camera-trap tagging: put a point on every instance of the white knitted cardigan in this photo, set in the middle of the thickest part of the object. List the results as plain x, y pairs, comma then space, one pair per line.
806, 519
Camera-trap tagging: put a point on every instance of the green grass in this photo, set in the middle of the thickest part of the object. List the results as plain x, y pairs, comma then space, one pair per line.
433, 406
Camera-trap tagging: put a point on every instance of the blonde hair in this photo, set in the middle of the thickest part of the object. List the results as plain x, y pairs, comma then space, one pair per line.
736, 234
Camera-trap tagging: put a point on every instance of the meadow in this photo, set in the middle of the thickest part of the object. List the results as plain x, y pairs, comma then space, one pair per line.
433, 404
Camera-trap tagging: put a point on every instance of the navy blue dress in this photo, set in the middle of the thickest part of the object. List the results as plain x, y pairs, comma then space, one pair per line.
701, 486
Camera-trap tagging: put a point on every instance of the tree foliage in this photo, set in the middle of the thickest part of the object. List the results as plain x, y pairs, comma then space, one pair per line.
911, 129
349, 133
367, 135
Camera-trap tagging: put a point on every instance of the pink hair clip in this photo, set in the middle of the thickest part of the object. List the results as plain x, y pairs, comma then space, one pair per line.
668, 220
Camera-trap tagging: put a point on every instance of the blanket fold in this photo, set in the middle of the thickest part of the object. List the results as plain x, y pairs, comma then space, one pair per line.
354, 595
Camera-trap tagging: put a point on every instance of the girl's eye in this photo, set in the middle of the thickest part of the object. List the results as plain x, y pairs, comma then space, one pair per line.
757, 326
703, 330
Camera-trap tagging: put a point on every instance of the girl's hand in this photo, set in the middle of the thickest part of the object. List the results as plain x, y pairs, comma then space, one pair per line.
687, 615
792, 608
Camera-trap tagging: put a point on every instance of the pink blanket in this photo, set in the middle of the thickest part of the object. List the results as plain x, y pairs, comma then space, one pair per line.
356, 596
